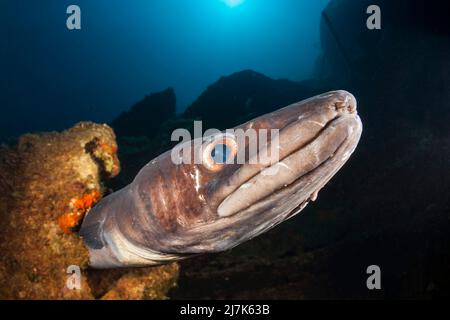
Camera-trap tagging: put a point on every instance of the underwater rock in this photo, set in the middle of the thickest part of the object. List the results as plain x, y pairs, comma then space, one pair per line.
145, 117
348, 43
390, 61
47, 183
144, 283
244, 95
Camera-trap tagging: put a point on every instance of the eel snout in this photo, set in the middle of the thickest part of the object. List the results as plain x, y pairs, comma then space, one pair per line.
325, 131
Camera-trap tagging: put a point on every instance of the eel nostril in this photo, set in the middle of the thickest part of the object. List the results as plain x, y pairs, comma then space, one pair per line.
340, 105
348, 105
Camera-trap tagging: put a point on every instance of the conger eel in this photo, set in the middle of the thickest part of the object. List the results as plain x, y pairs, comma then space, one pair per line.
173, 211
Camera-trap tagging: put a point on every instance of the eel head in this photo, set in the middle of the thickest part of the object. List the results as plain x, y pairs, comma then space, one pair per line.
175, 210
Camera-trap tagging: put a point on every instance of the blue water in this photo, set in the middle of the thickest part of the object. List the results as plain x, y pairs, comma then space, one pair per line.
52, 77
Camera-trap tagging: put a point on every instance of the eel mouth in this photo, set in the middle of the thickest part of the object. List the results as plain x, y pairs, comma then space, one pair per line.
311, 150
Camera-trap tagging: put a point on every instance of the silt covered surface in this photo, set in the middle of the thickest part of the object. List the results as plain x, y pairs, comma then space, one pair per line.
40, 179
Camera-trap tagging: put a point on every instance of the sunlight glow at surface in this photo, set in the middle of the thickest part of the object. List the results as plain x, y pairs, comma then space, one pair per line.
233, 3
187, 47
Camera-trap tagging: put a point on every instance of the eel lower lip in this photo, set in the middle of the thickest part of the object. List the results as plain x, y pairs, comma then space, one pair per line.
291, 168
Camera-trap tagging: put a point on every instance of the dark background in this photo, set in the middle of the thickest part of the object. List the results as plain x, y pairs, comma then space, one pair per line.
51, 77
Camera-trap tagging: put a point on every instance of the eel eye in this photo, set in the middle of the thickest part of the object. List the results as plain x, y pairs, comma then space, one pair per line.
218, 152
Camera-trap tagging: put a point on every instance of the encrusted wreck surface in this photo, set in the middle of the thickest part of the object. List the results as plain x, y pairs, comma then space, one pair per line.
47, 183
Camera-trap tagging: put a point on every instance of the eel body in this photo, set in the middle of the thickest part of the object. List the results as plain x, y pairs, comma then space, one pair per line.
174, 210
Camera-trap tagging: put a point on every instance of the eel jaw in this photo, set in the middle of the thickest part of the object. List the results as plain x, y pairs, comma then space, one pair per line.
338, 138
